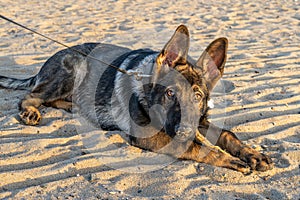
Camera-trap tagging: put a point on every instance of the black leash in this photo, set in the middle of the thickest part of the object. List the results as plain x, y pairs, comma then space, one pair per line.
80, 52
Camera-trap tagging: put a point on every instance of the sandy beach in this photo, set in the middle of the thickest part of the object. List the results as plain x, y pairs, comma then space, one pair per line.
52, 160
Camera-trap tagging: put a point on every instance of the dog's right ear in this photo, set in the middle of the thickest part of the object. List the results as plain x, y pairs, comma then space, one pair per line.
174, 53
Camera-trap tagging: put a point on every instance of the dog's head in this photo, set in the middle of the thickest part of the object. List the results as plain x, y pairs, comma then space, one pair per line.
181, 86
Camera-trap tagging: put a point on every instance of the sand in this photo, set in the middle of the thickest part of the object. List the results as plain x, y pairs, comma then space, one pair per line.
52, 161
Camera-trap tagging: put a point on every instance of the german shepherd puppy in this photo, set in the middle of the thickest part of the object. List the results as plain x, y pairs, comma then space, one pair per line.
165, 112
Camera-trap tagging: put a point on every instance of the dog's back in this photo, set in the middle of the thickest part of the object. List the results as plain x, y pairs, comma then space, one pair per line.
104, 92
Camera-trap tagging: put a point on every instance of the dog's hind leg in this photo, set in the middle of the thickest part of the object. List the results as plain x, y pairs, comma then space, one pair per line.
30, 114
60, 104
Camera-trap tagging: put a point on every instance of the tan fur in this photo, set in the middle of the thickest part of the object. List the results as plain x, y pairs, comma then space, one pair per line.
30, 114
61, 104
220, 147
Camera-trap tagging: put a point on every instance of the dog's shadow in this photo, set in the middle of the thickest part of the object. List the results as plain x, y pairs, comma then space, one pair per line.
223, 87
112, 148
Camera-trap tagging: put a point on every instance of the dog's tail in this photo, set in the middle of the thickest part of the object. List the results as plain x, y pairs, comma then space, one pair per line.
17, 84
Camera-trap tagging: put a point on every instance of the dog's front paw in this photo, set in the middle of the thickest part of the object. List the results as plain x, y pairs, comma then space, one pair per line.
240, 166
257, 161
30, 116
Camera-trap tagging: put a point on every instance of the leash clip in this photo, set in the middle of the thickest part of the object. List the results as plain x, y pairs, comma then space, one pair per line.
138, 74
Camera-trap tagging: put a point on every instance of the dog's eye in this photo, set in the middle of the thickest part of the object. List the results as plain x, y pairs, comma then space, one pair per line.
170, 93
198, 96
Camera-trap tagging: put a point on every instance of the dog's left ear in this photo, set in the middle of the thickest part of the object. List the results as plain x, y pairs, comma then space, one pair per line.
212, 61
175, 51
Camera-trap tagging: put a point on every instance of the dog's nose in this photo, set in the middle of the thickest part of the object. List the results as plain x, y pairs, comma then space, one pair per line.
184, 132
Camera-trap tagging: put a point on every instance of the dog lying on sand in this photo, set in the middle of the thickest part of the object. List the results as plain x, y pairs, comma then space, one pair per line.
180, 86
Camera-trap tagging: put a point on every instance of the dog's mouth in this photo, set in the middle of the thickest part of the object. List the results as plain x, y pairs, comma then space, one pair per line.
184, 132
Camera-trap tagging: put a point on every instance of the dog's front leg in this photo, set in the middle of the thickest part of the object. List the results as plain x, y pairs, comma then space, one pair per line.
213, 155
228, 141
190, 150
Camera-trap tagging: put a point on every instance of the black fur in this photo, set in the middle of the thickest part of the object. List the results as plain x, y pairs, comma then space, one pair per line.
166, 113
